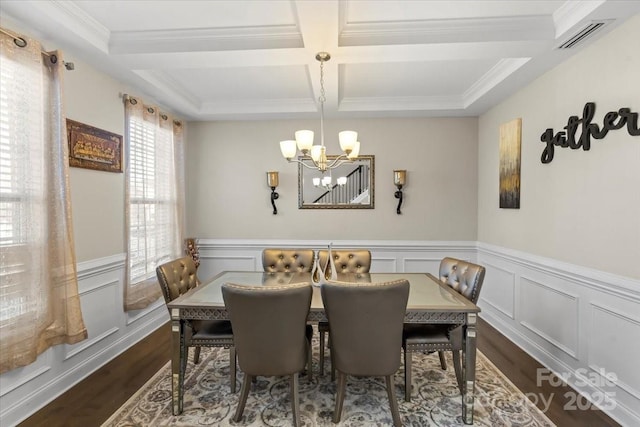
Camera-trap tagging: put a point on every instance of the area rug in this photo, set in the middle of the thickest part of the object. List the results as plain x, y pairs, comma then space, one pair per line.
436, 400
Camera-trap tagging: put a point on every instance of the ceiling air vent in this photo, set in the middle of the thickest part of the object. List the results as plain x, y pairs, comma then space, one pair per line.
583, 34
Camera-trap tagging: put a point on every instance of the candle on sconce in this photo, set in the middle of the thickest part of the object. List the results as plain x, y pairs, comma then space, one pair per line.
272, 179
399, 177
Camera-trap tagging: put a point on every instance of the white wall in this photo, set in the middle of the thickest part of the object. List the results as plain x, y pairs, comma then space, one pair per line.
563, 270
228, 197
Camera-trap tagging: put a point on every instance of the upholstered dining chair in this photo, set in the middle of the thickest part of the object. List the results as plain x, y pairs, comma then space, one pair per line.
177, 277
466, 278
287, 260
346, 261
269, 329
299, 260
365, 323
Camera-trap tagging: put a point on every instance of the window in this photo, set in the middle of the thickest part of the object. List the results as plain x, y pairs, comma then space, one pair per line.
21, 181
154, 209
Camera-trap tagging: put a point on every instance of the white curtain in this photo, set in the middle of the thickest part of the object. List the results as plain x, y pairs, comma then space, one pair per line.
154, 198
39, 302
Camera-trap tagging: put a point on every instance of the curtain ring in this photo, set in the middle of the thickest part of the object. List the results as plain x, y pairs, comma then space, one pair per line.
133, 101
177, 123
164, 117
53, 59
150, 110
20, 42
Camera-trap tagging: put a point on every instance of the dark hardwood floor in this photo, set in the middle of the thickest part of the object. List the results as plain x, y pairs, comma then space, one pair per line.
93, 400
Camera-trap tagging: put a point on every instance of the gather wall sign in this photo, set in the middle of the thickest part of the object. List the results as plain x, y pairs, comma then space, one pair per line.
613, 120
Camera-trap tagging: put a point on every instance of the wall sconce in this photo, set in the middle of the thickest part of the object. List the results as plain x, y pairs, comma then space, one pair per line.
272, 181
399, 179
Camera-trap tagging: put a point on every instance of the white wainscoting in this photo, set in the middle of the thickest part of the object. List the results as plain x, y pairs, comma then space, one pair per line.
580, 323
386, 256
111, 331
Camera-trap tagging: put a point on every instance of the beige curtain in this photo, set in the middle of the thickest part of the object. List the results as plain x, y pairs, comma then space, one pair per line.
154, 198
39, 301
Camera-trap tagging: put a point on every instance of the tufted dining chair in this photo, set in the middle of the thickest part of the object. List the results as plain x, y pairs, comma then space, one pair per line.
287, 260
276, 260
346, 261
269, 327
176, 278
464, 277
365, 322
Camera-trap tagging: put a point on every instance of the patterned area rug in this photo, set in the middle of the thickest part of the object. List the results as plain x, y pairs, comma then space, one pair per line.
436, 400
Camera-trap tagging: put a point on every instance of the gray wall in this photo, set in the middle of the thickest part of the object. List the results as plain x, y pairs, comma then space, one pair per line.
227, 194
584, 206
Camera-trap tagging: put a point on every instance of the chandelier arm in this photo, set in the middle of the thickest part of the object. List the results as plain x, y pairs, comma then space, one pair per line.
315, 165
338, 161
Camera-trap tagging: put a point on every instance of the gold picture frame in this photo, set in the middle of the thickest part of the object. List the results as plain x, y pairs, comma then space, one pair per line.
93, 148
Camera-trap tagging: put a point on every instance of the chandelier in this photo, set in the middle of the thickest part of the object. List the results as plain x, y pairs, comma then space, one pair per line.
318, 153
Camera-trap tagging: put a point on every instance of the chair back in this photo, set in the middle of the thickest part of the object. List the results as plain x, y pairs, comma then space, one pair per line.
269, 326
287, 260
348, 260
177, 277
465, 277
365, 323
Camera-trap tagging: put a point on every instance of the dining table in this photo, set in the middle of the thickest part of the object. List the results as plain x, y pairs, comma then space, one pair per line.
430, 302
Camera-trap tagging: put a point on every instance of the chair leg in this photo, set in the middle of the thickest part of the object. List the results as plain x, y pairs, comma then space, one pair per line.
333, 369
232, 365
457, 366
342, 384
322, 334
309, 362
443, 361
295, 404
407, 375
391, 392
196, 355
244, 393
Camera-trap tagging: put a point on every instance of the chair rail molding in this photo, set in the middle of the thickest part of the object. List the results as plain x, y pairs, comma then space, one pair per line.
591, 339
401, 255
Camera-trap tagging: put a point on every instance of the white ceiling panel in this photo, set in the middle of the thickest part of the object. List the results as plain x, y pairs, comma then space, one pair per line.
249, 83
213, 60
145, 15
415, 79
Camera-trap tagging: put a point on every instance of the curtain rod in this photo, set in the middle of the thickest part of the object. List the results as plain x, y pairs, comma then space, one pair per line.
21, 42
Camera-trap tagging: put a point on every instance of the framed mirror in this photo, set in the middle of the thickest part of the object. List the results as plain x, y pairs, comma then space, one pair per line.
348, 186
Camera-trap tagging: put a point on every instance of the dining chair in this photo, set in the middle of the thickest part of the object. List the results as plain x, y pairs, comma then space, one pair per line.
464, 277
287, 260
176, 278
277, 260
345, 261
365, 323
269, 329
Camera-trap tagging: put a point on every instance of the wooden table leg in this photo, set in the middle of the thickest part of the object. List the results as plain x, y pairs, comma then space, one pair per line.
177, 361
469, 368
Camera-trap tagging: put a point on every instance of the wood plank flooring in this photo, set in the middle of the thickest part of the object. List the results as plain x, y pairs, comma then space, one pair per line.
93, 400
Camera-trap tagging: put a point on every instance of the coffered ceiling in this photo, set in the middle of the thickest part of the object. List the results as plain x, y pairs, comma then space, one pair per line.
212, 60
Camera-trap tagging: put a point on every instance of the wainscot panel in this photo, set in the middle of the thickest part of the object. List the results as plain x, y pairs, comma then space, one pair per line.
386, 255
580, 323
111, 331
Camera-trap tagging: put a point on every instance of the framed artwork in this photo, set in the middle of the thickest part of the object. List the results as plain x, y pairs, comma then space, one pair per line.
93, 148
510, 140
